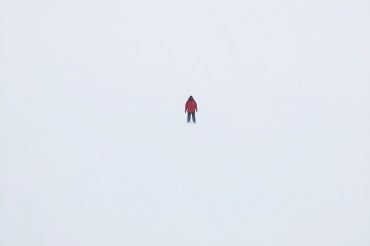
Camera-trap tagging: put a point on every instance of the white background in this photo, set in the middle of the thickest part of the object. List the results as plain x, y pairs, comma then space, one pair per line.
95, 150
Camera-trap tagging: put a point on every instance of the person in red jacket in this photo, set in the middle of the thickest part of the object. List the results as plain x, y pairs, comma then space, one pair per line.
191, 107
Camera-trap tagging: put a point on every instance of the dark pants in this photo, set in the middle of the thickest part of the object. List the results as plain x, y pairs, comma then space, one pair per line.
192, 115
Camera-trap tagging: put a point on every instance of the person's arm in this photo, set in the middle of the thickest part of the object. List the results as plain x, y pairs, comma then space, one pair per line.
186, 106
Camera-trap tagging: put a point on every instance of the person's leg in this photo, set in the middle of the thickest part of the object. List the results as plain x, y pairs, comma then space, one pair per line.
193, 115
189, 114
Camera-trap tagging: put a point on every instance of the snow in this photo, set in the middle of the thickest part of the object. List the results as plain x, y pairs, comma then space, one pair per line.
94, 144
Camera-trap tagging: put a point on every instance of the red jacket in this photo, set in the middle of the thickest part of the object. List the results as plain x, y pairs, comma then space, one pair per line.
191, 106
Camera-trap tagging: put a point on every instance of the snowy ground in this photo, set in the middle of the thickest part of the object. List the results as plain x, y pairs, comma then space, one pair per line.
95, 150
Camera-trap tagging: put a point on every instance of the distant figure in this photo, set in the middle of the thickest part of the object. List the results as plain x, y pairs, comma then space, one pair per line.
191, 107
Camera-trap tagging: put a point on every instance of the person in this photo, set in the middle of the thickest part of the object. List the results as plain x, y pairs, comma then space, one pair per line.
191, 107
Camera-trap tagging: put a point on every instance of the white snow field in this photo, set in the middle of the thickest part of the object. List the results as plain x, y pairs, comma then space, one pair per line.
94, 145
